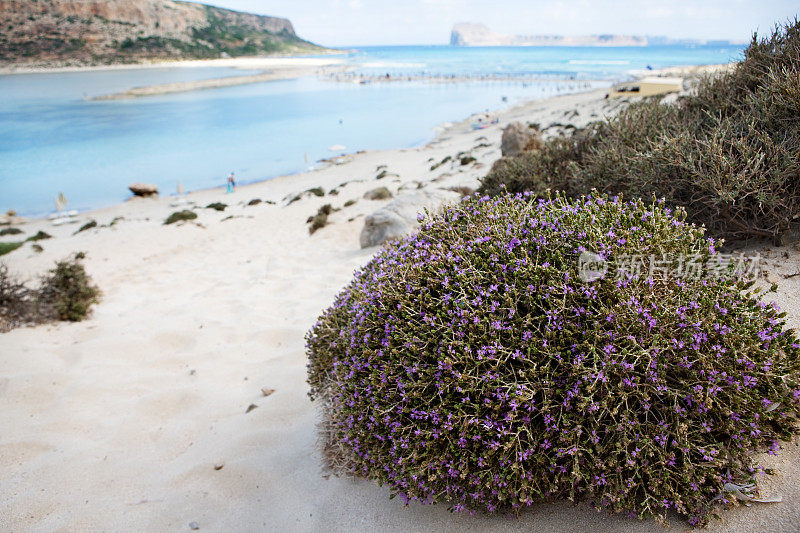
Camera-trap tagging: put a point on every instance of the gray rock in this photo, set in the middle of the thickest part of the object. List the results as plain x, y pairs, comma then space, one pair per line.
143, 189
381, 193
399, 217
518, 138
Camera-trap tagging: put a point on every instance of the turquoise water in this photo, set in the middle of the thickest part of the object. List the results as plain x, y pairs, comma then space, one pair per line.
52, 139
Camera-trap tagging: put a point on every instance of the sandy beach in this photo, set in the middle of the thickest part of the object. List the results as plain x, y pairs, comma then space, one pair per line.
119, 423
249, 63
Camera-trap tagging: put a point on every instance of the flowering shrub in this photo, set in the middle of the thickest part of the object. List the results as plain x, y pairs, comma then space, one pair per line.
727, 152
469, 364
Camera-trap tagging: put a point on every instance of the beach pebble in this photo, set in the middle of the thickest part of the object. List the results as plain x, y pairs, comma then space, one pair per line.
194, 526
266, 391
219, 466
251, 407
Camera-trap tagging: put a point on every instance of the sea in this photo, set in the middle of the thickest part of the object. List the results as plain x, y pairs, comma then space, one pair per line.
55, 139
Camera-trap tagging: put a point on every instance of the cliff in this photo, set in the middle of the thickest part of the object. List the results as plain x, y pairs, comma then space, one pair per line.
85, 32
467, 34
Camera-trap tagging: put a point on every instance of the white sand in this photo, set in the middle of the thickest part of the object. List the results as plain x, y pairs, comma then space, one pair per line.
116, 423
249, 63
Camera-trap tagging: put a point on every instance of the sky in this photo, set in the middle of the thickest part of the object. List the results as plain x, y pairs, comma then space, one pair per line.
376, 22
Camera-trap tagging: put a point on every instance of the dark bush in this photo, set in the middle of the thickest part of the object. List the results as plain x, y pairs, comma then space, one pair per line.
67, 291
470, 364
320, 220
442, 162
10, 231
316, 191
217, 206
39, 236
17, 302
177, 216
89, 225
728, 153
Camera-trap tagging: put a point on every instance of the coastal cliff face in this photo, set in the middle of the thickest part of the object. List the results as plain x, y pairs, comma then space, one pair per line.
82, 32
467, 34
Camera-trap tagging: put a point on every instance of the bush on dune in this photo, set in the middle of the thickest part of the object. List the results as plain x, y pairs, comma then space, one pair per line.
470, 364
179, 216
17, 302
728, 153
65, 293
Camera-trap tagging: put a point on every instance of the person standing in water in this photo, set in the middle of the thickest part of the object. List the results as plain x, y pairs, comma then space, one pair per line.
231, 182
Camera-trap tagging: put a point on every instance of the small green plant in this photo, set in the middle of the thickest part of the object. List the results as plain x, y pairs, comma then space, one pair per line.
217, 206
39, 236
316, 191
17, 302
466, 160
350, 202
442, 162
89, 225
65, 293
178, 216
320, 220
10, 231
474, 363
254, 201
8, 247
68, 291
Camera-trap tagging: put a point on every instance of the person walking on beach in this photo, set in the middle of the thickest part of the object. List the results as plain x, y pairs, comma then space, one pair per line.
231, 182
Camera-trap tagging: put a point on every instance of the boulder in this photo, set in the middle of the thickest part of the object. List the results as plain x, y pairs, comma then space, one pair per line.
143, 189
518, 138
399, 217
381, 193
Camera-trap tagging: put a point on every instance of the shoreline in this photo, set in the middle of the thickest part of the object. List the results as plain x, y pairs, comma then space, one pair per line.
259, 62
440, 129
442, 132
153, 410
211, 83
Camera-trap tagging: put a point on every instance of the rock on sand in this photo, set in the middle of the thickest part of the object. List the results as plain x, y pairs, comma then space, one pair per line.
143, 189
399, 217
518, 138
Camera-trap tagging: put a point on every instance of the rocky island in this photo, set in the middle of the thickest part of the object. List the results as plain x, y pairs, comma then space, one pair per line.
95, 32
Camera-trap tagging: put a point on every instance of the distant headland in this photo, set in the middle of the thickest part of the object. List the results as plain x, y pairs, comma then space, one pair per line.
471, 34
95, 32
